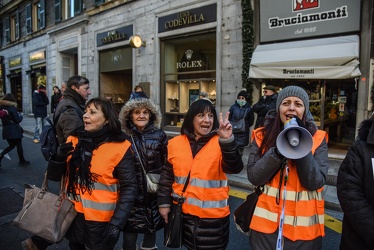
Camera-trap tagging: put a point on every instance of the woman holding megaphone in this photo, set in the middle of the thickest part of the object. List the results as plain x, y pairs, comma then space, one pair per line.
289, 214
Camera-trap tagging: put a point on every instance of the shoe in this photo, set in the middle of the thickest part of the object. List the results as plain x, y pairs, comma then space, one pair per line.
28, 244
23, 163
36, 141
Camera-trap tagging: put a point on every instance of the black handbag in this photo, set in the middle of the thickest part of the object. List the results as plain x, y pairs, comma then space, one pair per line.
239, 126
173, 230
243, 214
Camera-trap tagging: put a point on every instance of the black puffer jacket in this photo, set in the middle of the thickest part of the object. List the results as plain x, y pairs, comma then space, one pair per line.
151, 144
355, 191
11, 127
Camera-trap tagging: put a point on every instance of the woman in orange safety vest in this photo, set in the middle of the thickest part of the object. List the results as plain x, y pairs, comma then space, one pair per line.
206, 149
289, 214
101, 177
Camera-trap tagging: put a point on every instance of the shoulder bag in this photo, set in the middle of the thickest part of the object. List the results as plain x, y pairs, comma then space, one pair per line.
151, 179
45, 214
243, 214
173, 231
239, 126
19, 126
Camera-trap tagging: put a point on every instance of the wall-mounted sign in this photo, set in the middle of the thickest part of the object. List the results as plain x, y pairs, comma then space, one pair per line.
113, 36
294, 19
14, 62
37, 56
202, 15
192, 61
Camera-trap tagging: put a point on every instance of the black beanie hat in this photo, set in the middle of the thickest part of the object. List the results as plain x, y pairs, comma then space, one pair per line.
243, 93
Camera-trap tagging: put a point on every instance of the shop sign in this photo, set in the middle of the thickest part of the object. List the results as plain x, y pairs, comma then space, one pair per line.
37, 56
294, 19
192, 61
14, 62
205, 14
113, 36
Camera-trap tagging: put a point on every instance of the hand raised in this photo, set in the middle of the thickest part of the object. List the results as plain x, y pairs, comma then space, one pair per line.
225, 128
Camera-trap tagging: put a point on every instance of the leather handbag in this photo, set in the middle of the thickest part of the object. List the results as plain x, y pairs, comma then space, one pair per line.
239, 126
173, 230
243, 214
45, 214
151, 178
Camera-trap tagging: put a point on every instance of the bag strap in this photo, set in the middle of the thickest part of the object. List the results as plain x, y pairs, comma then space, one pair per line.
62, 184
137, 152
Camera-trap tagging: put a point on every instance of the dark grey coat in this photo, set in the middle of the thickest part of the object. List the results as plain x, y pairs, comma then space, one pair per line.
11, 127
355, 190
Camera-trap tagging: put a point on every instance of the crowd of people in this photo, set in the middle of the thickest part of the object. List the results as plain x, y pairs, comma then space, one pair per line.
105, 156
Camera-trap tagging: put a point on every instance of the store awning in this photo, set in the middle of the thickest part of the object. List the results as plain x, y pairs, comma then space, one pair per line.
327, 58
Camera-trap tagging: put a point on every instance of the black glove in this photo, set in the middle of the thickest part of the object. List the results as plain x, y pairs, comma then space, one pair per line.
63, 151
299, 122
276, 151
112, 236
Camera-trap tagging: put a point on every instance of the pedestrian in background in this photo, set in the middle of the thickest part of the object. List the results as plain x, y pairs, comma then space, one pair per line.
63, 87
100, 176
242, 110
55, 98
264, 104
141, 121
355, 191
138, 93
289, 214
202, 155
12, 131
40, 102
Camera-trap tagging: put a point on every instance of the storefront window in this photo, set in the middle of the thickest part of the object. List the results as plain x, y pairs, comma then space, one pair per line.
189, 68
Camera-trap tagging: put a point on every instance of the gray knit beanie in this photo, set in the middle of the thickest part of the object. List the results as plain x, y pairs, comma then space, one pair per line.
293, 91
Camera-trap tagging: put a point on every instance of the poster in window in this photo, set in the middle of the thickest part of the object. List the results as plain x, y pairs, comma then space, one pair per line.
194, 95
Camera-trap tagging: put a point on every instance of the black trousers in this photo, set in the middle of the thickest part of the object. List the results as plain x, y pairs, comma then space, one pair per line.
12, 144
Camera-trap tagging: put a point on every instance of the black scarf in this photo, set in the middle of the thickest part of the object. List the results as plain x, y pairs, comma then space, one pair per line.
80, 176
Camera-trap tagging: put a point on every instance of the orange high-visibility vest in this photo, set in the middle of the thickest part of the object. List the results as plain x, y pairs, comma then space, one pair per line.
101, 203
207, 192
304, 209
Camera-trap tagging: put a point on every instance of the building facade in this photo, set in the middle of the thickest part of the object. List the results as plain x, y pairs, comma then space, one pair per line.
176, 49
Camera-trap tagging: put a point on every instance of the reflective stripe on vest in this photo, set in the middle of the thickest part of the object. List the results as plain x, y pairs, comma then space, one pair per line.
101, 203
304, 209
207, 193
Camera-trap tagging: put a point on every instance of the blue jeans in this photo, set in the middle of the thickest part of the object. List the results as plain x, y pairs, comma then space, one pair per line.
39, 124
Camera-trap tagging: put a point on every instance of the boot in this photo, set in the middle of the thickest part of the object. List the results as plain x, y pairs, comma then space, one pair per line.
28, 244
147, 248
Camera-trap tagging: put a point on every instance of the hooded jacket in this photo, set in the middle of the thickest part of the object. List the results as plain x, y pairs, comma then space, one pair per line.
151, 143
11, 127
355, 191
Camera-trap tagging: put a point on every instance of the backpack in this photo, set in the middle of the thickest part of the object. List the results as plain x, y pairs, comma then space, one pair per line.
48, 137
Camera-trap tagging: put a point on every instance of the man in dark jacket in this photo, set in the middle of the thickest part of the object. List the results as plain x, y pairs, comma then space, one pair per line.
355, 190
266, 103
40, 102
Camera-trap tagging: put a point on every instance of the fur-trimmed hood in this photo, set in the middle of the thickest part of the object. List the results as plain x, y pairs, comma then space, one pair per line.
124, 116
8, 103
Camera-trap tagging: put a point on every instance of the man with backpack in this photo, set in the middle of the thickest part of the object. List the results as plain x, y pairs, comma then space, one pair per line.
68, 116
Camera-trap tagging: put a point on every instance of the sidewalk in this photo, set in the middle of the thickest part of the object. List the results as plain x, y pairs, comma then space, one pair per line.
240, 180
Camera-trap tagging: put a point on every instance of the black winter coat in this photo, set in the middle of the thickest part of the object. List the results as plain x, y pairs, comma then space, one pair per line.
55, 99
236, 114
355, 188
152, 147
262, 107
151, 144
11, 127
40, 102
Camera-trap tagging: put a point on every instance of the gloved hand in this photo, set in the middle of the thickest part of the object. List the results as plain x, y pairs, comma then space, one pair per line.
63, 151
299, 122
112, 236
276, 151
